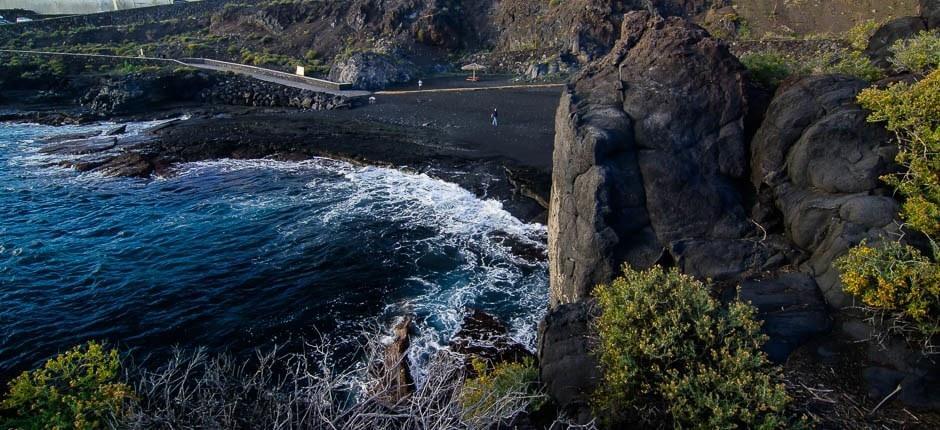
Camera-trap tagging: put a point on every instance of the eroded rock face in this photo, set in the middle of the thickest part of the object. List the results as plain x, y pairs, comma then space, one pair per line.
373, 71
568, 367
650, 146
818, 160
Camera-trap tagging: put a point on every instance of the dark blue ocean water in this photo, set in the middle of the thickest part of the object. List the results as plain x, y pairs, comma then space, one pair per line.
235, 255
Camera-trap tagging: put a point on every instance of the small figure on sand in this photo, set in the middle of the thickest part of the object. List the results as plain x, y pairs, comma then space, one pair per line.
420, 84
372, 100
495, 117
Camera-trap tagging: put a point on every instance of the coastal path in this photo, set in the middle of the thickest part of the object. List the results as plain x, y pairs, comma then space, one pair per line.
283, 78
260, 73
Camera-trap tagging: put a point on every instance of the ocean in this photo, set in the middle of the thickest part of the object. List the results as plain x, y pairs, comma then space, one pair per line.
237, 255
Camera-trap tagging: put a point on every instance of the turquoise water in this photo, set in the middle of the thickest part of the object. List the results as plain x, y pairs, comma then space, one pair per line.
236, 255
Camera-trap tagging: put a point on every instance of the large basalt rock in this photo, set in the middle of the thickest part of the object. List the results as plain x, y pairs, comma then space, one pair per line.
879, 45
819, 160
791, 308
930, 10
568, 366
485, 337
650, 147
373, 71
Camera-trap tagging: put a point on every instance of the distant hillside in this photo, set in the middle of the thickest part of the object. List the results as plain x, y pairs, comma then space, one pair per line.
807, 17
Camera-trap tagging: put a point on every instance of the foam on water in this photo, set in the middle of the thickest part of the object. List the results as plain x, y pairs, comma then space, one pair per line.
245, 251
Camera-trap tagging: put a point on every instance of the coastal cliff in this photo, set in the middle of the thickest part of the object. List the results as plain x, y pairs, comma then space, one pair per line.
679, 150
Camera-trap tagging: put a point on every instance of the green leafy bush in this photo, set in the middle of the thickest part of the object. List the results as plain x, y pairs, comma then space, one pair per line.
79, 389
479, 395
919, 54
859, 35
852, 63
768, 67
899, 285
912, 112
671, 354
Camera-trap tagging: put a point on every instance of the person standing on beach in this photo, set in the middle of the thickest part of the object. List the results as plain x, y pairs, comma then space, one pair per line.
420, 84
495, 117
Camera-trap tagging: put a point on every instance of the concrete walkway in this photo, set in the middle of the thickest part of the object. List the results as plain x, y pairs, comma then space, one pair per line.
262, 74
284, 78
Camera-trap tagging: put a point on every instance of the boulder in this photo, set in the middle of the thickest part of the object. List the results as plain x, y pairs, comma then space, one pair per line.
373, 71
484, 336
791, 308
650, 148
818, 160
130, 165
879, 45
567, 365
121, 129
930, 10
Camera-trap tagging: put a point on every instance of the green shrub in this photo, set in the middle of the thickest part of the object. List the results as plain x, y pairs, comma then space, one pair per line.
79, 389
912, 112
898, 286
769, 68
479, 396
859, 35
671, 354
852, 63
919, 54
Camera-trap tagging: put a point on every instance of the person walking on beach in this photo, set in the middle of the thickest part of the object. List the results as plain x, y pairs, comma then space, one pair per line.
495, 117
420, 84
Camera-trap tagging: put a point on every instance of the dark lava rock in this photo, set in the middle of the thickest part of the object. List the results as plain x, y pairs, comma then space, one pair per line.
888, 34
650, 147
116, 131
485, 337
141, 92
818, 160
129, 164
373, 71
80, 146
930, 10
567, 365
791, 308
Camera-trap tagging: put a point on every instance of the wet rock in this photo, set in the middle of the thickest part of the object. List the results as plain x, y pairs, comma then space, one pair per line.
131, 164
116, 131
484, 336
817, 160
791, 308
373, 71
81, 146
639, 169
898, 29
567, 365
70, 136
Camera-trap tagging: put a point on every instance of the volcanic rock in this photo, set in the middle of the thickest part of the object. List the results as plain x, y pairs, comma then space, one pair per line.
819, 160
650, 147
373, 71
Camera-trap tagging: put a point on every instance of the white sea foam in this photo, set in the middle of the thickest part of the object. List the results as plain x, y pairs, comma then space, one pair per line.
459, 220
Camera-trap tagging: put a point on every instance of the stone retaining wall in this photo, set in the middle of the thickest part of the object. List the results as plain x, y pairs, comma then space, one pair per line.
245, 91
